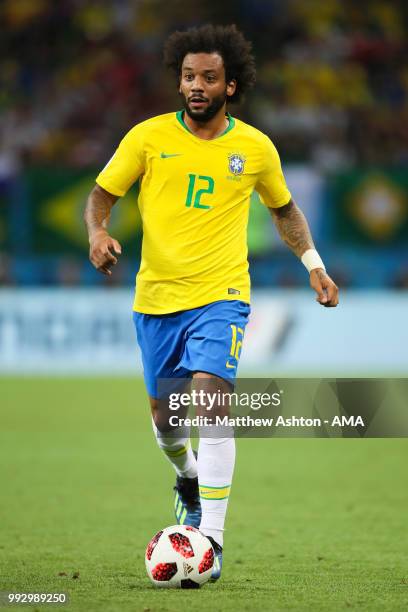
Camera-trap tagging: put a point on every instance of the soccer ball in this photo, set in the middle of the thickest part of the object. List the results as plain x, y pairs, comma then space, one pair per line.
179, 556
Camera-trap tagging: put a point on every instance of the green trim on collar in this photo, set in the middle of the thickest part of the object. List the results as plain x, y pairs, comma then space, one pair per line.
231, 124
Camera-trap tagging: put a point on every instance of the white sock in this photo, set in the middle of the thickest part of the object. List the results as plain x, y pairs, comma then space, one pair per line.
178, 451
216, 460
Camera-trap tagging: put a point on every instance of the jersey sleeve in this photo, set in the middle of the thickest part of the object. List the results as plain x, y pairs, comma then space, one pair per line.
271, 184
125, 166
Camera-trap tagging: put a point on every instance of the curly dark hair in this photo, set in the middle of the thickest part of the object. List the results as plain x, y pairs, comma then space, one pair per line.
228, 41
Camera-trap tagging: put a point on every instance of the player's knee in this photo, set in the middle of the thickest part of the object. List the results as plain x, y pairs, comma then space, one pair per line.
216, 395
154, 404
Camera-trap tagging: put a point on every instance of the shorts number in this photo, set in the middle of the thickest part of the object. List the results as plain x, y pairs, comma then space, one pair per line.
236, 342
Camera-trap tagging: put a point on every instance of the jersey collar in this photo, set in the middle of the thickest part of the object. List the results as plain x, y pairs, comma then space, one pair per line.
231, 124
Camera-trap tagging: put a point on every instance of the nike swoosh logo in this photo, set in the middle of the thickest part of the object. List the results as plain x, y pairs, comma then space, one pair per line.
229, 365
166, 155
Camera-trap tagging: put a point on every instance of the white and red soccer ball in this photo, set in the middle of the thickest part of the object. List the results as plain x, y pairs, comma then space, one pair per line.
179, 556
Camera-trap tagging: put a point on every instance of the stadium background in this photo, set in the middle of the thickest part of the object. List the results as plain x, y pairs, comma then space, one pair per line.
332, 93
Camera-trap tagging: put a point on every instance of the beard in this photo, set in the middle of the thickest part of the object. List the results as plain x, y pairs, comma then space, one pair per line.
211, 110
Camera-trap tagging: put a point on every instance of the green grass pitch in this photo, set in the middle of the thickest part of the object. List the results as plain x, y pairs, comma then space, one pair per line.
313, 524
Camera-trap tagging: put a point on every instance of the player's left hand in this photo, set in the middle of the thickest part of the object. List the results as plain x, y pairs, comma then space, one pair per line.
327, 290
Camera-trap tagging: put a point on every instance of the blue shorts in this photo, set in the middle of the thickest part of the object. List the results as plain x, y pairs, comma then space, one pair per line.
206, 339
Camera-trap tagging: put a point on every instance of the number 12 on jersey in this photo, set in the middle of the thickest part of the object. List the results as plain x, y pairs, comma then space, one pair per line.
195, 191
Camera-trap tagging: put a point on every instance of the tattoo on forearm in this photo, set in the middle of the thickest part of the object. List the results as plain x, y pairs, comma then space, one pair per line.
98, 209
293, 228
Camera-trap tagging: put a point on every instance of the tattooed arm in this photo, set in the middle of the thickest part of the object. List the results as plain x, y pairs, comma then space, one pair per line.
293, 228
96, 217
294, 231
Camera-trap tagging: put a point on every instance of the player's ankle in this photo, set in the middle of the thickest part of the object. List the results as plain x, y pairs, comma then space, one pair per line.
215, 534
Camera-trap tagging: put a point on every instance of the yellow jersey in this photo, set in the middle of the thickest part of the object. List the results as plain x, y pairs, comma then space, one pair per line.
194, 204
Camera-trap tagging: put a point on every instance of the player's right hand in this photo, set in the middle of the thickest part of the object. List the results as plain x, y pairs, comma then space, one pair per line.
102, 251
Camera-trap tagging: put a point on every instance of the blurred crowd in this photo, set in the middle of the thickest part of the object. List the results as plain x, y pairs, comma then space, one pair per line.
332, 75
332, 87
336, 89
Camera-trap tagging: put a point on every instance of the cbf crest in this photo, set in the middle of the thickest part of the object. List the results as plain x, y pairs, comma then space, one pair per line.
236, 163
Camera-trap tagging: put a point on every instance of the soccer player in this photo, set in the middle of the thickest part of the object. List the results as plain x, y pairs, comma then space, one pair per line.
197, 169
